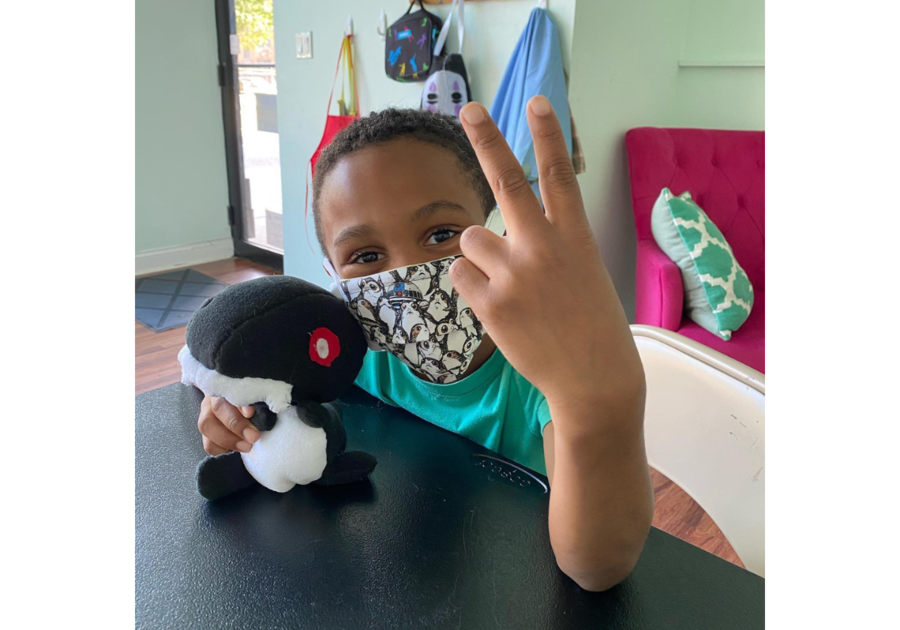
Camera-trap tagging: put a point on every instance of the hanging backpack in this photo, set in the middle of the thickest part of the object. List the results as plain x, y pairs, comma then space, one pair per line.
447, 89
409, 45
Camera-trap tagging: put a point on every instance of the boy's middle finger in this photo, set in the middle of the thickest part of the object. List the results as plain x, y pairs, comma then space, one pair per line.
559, 186
515, 197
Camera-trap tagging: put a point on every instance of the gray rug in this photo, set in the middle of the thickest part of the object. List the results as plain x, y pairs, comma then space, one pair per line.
167, 300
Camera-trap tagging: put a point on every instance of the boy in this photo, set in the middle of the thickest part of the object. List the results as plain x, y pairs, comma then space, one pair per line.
556, 382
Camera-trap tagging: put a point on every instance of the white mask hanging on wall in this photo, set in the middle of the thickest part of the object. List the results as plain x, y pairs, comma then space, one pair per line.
445, 92
447, 88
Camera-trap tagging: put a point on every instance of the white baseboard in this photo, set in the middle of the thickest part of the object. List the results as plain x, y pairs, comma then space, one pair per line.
153, 260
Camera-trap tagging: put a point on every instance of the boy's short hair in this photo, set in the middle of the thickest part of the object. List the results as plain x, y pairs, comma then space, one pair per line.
383, 126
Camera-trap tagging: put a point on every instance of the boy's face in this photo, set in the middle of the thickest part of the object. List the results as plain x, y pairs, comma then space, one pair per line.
392, 205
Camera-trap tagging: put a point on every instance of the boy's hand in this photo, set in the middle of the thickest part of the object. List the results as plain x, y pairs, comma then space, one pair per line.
542, 291
225, 427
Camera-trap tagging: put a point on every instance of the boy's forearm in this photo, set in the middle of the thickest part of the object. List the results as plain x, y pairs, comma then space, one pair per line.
601, 501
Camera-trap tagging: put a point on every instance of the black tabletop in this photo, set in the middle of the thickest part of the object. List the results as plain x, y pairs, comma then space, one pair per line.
443, 536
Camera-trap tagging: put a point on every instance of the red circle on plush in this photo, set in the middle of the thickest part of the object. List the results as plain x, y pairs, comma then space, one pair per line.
324, 347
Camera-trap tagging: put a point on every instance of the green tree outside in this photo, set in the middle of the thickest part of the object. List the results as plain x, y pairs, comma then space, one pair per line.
253, 20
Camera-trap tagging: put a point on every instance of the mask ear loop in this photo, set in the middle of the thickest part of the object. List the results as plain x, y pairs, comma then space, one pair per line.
335, 287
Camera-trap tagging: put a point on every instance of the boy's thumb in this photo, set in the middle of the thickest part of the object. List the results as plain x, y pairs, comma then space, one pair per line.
470, 282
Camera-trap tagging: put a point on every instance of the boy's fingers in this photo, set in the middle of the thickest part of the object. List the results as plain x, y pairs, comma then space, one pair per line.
556, 174
486, 250
511, 188
217, 433
470, 282
247, 411
213, 449
232, 418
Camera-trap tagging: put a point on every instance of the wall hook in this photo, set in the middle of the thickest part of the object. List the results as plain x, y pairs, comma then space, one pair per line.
382, 25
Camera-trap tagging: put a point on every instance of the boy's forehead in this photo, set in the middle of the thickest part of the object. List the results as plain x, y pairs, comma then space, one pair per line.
392, 180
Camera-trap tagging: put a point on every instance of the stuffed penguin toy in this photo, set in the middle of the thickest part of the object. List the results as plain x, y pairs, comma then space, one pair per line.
288, 348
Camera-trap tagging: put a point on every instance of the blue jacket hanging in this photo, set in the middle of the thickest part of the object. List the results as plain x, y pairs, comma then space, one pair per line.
535, 68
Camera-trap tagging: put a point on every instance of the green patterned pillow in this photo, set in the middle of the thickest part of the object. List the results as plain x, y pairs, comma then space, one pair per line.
717, 291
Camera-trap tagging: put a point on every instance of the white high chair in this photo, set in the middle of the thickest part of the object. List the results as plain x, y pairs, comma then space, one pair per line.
705, 430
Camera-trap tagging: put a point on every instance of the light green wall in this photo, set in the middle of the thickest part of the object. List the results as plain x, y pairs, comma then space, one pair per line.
181, 187
623, 63
492, 29
625, 74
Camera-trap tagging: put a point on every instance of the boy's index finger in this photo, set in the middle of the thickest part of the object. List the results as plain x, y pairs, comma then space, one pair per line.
513, 192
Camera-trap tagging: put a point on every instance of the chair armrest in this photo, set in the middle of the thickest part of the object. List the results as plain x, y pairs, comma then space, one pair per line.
659, 290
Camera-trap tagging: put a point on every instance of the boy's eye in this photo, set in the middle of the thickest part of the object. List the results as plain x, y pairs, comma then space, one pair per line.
365, 257
439, 236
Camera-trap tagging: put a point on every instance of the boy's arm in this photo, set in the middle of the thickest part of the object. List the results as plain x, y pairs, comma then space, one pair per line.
547, 301
601, 501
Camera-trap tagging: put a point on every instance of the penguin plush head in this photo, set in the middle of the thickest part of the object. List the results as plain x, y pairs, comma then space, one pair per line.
277, 339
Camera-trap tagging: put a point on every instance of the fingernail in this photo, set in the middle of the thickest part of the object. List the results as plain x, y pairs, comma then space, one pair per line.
540, 106
472, 113
243, 447
250, 435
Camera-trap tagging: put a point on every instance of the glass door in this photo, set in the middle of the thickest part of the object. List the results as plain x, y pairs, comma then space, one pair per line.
250, 106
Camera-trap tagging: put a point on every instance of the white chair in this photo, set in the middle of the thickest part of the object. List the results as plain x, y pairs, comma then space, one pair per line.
705, 430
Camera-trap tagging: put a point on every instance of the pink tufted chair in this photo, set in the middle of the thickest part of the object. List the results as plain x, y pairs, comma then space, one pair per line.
725, 174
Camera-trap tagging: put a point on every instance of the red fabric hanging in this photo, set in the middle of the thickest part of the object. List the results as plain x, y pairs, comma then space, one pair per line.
333, 124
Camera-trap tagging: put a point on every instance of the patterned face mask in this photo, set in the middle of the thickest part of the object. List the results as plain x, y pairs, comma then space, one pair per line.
415, 314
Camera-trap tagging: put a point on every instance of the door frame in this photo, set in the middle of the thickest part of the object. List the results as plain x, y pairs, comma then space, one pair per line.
234, 162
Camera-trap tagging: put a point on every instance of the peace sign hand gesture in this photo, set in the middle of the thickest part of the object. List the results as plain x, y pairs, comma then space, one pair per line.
545, 298
542, 292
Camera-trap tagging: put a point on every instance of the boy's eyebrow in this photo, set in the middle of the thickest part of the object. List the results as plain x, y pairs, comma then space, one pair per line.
434, 206
355, 231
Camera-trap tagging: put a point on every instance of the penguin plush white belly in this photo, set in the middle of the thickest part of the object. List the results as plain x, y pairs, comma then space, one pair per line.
292, 453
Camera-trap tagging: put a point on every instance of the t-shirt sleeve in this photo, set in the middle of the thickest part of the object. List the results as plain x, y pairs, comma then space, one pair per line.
543, 415
537, 411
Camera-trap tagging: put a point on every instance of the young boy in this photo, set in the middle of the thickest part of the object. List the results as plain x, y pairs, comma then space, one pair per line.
556, 382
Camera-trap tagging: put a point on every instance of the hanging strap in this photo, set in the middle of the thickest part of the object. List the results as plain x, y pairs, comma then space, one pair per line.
411, 6
460, 27
346, 55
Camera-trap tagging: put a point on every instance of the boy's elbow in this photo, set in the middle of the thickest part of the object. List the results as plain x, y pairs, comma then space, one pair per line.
599, 579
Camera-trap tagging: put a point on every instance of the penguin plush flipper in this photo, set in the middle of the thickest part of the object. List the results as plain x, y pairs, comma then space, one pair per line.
263, 418
221, 475
347, 468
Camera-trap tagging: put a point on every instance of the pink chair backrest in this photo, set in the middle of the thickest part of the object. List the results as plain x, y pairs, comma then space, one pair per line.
723, 170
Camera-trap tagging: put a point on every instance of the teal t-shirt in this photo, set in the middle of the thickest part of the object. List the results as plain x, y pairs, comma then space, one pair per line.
494, 406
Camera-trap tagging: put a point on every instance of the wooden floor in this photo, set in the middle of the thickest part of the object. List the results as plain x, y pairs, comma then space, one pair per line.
156, 365
156, 354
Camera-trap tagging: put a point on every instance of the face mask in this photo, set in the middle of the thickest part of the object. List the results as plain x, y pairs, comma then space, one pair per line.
415, 314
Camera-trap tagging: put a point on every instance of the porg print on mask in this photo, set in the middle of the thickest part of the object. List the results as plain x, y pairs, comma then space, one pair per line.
415, 314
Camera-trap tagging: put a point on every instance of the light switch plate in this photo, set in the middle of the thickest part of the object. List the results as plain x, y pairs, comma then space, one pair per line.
304, 45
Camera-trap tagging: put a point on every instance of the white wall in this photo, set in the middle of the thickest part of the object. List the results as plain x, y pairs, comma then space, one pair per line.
181, 186
492, 29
